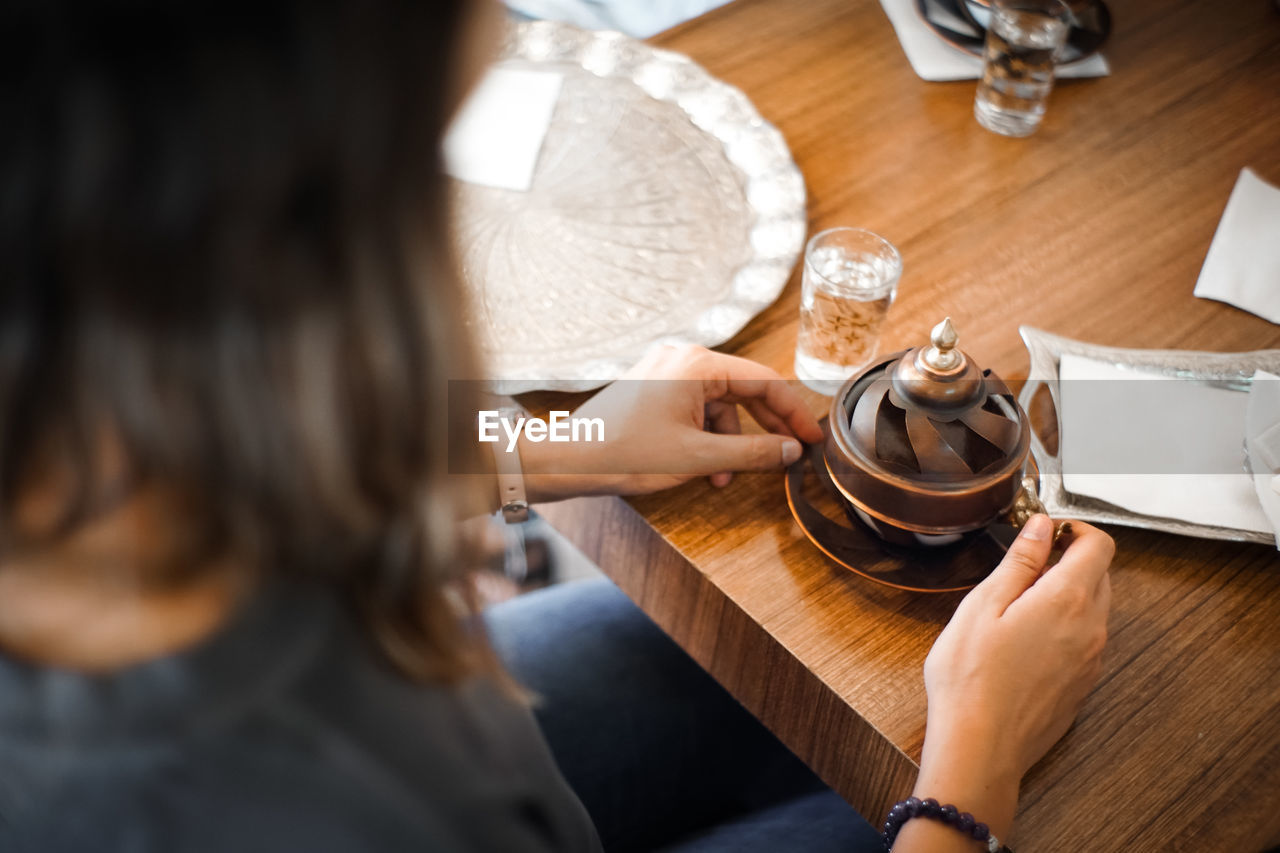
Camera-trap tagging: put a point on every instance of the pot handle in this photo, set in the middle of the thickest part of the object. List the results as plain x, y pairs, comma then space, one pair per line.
1026, 504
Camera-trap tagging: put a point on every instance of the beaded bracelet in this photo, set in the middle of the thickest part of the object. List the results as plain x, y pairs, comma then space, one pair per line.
948, 814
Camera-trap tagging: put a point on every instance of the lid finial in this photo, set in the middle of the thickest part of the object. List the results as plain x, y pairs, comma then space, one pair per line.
942, 355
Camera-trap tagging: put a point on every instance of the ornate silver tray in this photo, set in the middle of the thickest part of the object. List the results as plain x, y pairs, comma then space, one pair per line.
663, 208
1230, 370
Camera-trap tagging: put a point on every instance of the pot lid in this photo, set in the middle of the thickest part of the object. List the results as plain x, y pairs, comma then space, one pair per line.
934, 414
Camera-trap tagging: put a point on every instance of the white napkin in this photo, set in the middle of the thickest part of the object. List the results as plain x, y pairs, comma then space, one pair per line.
638, 18
1263, 436
1156, 445
935, 60
1243, 264
498, 133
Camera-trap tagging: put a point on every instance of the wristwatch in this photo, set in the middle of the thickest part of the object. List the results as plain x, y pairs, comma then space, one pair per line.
511, 493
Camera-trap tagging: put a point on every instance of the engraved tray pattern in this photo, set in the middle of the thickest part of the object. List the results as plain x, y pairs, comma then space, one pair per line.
663, 208
1227, 369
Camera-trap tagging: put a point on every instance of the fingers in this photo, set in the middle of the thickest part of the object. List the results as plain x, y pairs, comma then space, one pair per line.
1086, 559
744, 452
774, 396
773, 403
1102, 608
763, 415
1022, 564
722, 418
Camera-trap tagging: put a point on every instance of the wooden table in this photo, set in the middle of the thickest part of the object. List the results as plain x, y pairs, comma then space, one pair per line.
1094, 228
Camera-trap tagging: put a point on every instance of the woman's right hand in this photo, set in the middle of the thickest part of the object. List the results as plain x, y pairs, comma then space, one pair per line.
1024, 649
1008, 674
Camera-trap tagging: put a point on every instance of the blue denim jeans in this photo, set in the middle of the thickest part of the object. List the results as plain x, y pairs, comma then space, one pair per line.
661, 756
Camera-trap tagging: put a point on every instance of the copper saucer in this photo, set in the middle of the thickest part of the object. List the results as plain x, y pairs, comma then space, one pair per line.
830, 524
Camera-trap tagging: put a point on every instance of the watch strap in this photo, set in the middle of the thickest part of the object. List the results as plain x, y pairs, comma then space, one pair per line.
511, 494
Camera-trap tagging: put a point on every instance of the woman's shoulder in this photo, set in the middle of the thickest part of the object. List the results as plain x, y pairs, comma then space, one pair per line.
284, 726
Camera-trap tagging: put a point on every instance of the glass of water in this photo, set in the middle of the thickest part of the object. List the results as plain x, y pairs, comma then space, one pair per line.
850, 279
1024, 39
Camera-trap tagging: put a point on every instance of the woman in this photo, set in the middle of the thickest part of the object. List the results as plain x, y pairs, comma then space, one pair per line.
231, 608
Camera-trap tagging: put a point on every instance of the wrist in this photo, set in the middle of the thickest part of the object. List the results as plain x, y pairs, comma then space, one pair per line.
558, 471
990, 798
965, 767
971, 738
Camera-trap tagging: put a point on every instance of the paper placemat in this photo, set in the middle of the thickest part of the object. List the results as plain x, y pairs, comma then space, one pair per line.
496, 137
936, 61
1175, 451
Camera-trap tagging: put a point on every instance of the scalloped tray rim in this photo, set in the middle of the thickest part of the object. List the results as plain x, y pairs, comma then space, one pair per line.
587, 376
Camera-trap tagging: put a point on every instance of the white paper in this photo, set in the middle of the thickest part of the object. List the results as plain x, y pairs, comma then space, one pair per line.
935, 60
496, 137
1262, 423
1242, 267
1132, 447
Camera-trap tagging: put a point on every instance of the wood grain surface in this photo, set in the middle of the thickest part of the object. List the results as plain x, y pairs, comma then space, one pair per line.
1094, 228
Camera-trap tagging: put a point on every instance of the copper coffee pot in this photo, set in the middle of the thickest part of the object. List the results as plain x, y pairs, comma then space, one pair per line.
926, 447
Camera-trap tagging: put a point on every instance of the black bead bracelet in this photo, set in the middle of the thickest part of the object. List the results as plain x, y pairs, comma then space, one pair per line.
948, 814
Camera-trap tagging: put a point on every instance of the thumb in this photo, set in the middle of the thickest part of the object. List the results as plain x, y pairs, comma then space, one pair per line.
1022, 564
720, 452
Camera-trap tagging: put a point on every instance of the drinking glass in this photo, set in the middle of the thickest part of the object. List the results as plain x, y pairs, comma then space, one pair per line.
850, 279
1024, 39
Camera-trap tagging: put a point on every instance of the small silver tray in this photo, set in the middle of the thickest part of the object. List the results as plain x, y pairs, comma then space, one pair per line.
1230, 369
663, 208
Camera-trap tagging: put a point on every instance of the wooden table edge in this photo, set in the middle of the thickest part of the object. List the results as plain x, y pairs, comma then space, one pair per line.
845, 750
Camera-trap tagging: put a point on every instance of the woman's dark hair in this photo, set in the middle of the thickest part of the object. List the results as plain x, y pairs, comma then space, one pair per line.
223, 262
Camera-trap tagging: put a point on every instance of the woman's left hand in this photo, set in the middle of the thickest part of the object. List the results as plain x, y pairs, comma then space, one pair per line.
673, 417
